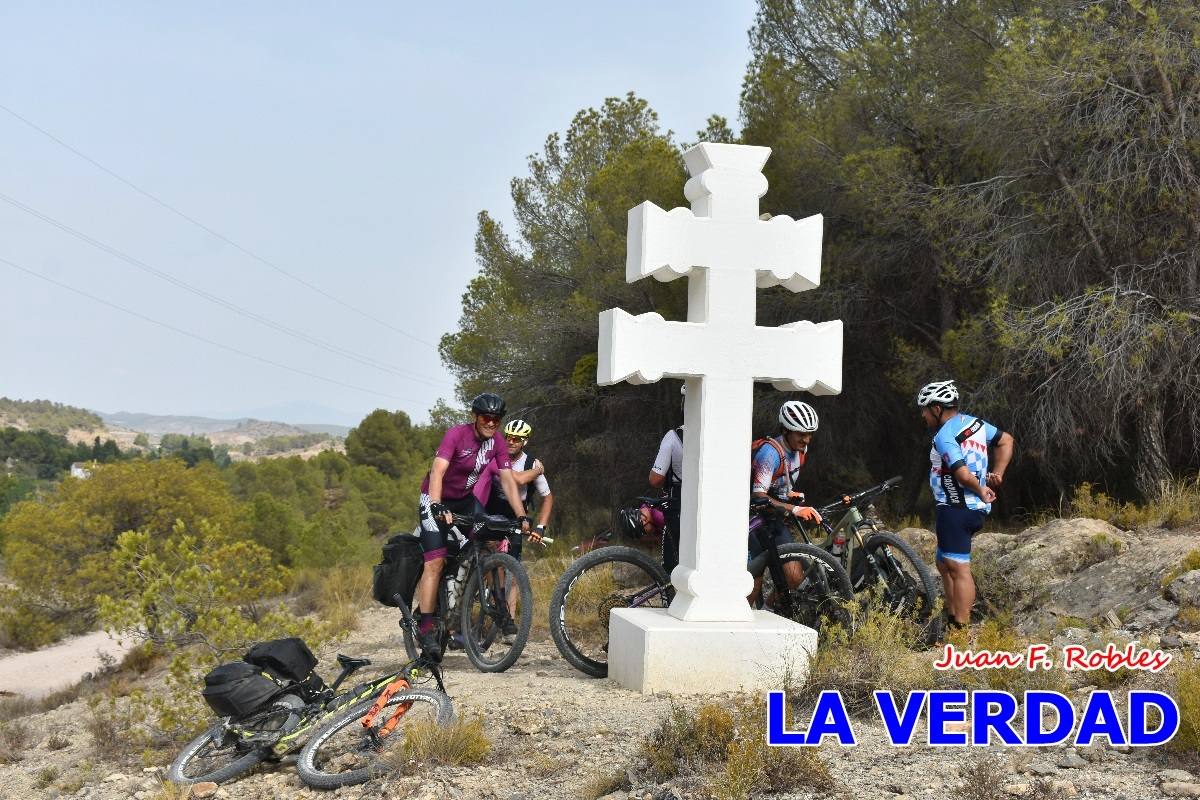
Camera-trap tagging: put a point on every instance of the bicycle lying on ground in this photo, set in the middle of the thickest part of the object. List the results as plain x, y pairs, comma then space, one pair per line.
481, 592
626, 577
877, 560
234, 746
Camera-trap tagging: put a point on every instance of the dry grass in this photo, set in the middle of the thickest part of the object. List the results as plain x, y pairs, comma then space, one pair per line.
44, 777
1001, 634
57, 742
1178, 506
983, 778
14, 738
725, 748
1190, 562
1186, 691
543, 574
334, 595
460, 744
603, 783
885, 651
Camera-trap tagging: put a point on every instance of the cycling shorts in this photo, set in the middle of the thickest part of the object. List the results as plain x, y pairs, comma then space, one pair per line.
434, 532
955, 527
779, 537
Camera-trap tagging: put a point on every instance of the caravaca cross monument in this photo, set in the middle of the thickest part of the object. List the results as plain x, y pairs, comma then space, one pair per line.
710, 640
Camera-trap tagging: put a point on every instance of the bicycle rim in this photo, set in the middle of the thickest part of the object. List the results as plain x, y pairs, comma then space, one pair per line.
345, 751
497, 613
221, 754
595, 584
821, 598
895, 573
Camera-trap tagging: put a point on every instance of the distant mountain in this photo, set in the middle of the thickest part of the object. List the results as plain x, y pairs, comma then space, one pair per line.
247, 427
46, 415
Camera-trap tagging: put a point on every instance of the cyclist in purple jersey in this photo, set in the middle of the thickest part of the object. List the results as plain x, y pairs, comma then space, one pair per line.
455, 484
964, 487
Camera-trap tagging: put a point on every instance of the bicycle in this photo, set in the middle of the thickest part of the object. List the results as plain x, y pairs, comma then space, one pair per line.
233, 747
476, 583
625, 577
876, 559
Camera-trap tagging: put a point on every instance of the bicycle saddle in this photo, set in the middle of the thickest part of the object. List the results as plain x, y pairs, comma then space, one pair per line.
347, 662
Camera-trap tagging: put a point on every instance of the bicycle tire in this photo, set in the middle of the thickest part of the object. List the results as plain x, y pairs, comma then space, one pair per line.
344, 741
227, 748
914, 599
823, 599
484, 610
576, 648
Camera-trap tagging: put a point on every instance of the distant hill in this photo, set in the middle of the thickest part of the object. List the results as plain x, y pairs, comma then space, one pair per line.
47, 415
243, 428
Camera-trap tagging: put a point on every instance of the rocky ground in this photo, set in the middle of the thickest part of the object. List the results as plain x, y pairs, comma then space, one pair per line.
554, 732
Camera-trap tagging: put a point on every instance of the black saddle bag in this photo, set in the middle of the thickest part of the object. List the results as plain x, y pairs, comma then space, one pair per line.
398, 569
239, 689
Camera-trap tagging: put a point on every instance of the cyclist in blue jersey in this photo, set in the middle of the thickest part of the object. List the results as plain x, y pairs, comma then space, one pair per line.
964, 484
774, 470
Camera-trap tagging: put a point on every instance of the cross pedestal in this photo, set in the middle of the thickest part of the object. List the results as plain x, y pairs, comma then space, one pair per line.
710, 639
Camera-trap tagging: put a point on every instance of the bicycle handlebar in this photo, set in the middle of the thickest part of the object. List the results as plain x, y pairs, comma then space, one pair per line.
852, 500
495, 523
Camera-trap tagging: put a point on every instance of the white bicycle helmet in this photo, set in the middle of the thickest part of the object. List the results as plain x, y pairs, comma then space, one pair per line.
944, 393
795, 415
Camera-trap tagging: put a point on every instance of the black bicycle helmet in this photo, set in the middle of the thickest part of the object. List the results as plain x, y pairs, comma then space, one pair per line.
488, 403
630, 521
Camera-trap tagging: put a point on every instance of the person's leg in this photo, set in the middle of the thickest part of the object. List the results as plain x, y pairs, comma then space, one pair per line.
955, 527
433, 543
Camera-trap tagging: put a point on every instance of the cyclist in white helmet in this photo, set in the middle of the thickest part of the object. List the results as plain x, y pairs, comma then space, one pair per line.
963, 487
774, 470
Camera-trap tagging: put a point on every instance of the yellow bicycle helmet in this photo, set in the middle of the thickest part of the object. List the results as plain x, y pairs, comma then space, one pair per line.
518, 427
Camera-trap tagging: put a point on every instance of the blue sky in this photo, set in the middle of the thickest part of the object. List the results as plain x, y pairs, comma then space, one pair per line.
349, 144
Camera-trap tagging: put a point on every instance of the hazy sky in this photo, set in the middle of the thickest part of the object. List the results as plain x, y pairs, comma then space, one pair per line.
350, 145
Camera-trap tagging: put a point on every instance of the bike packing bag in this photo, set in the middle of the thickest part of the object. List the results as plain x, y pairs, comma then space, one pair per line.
238, 689
289, 659
399, 569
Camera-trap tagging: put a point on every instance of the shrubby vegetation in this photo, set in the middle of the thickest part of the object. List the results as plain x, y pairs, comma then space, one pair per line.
43, 455
55, 418
269, 445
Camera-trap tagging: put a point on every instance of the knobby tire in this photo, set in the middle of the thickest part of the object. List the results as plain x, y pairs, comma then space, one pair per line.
484, 610
343, 753
651, 590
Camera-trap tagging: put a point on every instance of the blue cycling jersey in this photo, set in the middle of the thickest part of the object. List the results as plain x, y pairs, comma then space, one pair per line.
769, 475
962, 440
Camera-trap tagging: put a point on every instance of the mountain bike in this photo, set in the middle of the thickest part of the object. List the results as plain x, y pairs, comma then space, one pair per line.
476, 589
877, 560
799, 581
232, 747
626, 577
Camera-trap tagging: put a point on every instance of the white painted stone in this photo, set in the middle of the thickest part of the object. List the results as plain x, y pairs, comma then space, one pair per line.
726, 252
659, 653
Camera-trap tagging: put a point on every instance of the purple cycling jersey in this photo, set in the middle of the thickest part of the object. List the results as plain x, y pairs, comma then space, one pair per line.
468, 457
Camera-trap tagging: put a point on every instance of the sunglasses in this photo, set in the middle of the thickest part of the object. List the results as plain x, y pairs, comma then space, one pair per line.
490, 419
515, 438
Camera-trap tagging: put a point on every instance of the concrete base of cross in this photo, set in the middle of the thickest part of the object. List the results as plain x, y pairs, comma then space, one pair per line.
651, 651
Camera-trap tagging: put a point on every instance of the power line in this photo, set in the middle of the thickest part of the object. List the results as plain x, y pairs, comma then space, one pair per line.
204, 339
217, 234
212, 298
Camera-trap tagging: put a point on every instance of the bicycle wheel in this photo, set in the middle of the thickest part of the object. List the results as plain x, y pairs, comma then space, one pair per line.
594, 584
346, 751
893, 567
821, 599
224, 752
485, 612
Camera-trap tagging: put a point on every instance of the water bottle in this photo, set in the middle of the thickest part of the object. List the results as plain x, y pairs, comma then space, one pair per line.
839, 542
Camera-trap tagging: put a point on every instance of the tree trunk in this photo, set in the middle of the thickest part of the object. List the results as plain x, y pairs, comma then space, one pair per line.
1153, 469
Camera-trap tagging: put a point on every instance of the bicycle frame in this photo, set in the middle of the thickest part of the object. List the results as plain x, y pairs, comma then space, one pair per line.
852, 524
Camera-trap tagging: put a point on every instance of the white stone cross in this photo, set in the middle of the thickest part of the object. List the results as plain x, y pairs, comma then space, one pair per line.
726, 251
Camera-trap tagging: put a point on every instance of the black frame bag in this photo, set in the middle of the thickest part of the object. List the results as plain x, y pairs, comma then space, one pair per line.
399, 569
238, 689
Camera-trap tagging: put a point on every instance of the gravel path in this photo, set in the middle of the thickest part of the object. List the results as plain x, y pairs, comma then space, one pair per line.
41, 672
